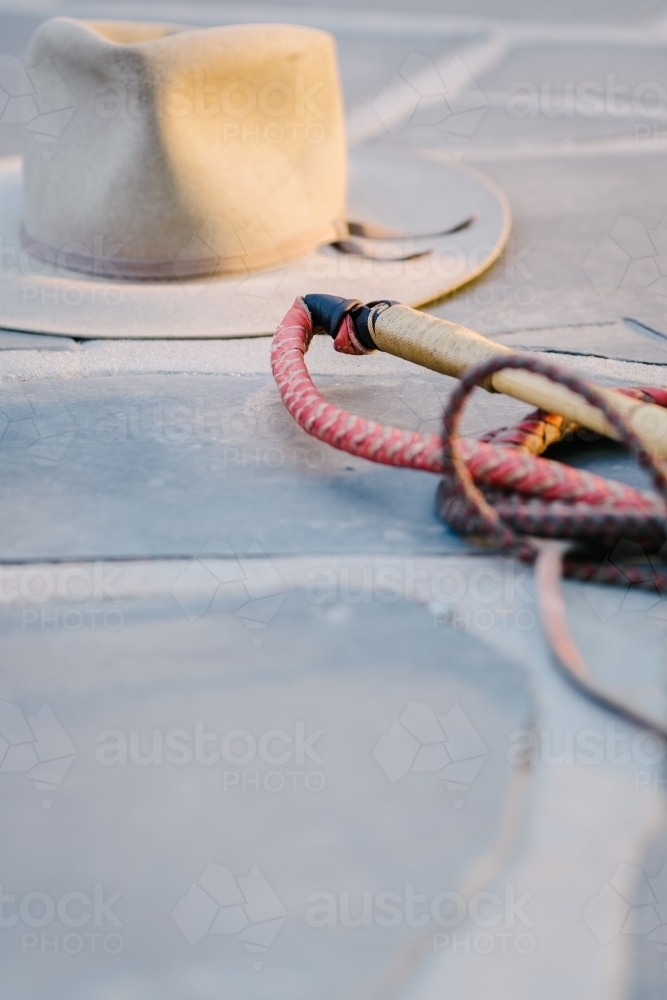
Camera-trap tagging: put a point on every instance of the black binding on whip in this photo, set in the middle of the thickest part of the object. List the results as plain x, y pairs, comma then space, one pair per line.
328, 312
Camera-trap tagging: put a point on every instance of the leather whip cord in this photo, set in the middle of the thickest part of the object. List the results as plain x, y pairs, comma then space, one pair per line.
498, 490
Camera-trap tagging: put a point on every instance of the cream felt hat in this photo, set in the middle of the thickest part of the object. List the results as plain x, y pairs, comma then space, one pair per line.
192, 183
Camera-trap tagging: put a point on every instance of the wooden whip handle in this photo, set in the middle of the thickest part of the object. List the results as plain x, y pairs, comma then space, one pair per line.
452, 349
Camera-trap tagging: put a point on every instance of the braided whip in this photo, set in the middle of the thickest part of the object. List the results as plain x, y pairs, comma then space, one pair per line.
498, 489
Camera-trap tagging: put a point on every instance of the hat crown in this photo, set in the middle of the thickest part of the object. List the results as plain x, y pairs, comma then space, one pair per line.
162, 151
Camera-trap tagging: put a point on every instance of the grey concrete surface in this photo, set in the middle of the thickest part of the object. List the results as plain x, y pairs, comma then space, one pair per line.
624, 341
352, 826
579, 837
155, 465
649, 945
267, 580
565, 210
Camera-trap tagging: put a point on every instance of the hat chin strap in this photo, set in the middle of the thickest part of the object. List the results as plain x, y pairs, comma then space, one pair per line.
386, 243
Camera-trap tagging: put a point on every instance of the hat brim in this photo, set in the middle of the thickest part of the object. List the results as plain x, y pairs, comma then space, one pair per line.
401, 192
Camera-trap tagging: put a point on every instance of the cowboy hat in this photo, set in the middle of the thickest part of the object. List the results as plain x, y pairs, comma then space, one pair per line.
191, 183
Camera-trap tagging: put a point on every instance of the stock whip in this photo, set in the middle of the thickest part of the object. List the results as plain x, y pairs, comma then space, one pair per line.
499, 490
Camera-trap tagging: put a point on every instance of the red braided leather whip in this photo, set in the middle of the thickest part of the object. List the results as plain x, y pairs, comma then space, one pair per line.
496, 488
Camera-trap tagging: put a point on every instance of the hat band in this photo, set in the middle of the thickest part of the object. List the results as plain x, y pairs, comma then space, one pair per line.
76, 257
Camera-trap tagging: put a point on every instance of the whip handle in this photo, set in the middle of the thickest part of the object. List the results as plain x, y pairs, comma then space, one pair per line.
452, 349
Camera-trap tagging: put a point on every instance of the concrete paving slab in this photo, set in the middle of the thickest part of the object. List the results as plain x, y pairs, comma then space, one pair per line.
586, 246
560, 67
579, 832
648, 902
130, 465
623, 340
593, 801
543, 92
210, 883
156, 465
499, 128
537, 92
